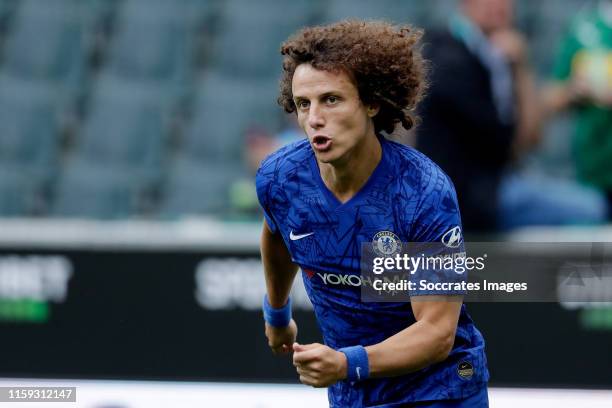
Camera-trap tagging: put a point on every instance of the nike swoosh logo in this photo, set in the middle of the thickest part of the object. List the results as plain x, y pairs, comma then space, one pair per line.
358, 374
294, 237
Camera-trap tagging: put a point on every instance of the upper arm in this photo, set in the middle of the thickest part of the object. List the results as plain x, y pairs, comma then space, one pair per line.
439, 315
272, 244
273, 248
438, 208
264, 184
436, 233
439, 311
438, 219
274, 252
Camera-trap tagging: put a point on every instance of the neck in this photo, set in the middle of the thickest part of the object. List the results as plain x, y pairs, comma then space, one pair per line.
345, 177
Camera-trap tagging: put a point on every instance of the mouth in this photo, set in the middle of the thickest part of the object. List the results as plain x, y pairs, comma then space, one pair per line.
321, 143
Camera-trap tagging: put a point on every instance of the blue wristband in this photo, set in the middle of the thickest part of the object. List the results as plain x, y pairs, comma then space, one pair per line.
358, 366
277, 317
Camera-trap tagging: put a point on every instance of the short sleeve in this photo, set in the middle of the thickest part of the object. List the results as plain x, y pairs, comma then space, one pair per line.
263, 184
438, 211
437, 234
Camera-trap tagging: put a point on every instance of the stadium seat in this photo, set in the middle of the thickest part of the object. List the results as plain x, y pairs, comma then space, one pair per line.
295, 13
29, 128
126, 124
203, 11
397, 11
438, 13
554, 154
6, 9
95, 190
99, 13
154, 40
19, 195
197, 187
29, 144
224, 108
7, 6
252, 33
48, 41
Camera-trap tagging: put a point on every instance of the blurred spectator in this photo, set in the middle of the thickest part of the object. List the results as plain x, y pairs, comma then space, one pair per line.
583, 83
482, 114
259, 143
291, 131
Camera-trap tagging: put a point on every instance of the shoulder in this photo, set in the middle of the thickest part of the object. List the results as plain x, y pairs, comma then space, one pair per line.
428, 198
416, 169
439, 43
439, 37
283, 161
425, 191
450, 60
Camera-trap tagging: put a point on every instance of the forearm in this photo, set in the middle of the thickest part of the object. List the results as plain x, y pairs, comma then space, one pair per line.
419, 345
279, 270
529, 113
556, 97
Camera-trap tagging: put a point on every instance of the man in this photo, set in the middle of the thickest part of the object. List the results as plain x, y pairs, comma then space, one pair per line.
583, 83
346, 185
482, 114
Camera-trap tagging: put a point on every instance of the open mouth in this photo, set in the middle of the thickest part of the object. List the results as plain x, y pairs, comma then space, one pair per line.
321, 143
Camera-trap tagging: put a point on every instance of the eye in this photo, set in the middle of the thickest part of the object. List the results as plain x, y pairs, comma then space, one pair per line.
331, 99
303, 104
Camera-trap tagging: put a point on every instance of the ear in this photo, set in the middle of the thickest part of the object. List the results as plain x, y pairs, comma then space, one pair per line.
372, 109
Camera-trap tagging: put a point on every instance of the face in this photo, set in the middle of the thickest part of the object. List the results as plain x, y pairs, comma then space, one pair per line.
258, 147
489, 15
330, 112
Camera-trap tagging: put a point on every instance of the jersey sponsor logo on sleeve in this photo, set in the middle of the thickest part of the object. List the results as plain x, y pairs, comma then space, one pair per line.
453, 237
295, 237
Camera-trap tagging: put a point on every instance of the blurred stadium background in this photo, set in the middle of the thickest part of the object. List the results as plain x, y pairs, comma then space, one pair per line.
128, 218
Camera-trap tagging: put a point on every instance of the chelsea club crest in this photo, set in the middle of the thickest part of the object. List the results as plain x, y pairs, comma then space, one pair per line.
386, 243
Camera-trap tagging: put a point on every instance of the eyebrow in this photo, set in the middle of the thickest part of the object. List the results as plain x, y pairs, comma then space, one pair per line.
323, 95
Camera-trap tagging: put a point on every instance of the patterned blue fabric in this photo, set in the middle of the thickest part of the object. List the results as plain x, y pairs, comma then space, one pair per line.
478, 400
407, 194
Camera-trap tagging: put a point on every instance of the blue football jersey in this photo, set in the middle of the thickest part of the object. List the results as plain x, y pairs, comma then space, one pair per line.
407, 195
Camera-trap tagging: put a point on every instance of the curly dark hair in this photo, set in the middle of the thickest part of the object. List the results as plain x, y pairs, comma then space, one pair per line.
383, 59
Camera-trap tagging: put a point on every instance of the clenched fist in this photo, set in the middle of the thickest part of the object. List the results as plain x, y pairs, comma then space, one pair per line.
280, 339
319, 365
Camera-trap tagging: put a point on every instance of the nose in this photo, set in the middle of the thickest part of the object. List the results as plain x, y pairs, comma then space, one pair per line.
315, 117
